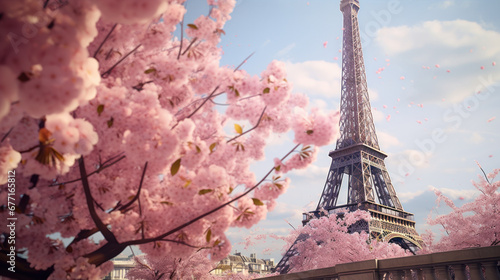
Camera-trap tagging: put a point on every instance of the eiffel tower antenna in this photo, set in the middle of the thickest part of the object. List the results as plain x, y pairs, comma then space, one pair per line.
358, 157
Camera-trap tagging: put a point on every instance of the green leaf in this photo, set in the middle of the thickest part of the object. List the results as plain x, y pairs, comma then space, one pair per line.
278, 168
198, 150
110, 122
167, 203
188, 182
150, 70
193, 26
237, 93
309, 132
175, 167
238, 128
231, 189
279, 186
217, 242
100, 109
266, 90
205, 191
209, 235
257, 202
212, 147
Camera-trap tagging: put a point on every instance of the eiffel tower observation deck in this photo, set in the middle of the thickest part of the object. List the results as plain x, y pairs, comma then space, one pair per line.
358, 157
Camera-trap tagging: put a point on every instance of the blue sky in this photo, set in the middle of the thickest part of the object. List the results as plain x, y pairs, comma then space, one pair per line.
424, 63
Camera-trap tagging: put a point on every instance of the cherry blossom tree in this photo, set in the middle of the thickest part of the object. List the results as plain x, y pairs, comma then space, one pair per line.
111, 126
327, 241
474, 224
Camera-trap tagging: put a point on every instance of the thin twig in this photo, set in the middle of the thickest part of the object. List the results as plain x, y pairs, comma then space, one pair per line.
485, 176
124, 207
105, 39
7, 134
189, 46
106, 74
258, 122
182, 38
108, 235
101, 168
243, 62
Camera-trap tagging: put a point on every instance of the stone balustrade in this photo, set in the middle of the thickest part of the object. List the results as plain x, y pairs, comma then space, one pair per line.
473, 264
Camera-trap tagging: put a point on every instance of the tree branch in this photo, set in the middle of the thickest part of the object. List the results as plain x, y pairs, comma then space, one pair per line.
106, 74
136, 197
243, 62
108, 235
104, 41
258, 122
189, 46
182, 38
7, 134
101, 168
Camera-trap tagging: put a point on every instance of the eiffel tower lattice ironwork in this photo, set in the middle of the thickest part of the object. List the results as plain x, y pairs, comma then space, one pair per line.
358, 156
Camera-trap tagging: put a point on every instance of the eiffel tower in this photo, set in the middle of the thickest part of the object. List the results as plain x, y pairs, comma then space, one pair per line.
358, 157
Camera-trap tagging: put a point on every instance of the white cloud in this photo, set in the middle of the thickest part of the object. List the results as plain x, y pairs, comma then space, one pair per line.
315, 77
312, 171
457, 194
459, 46
438, 38
407, 196
387, 140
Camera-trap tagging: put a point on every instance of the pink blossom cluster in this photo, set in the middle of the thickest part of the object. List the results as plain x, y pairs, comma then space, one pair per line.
111, 125
474, 224
329, 243
9, 159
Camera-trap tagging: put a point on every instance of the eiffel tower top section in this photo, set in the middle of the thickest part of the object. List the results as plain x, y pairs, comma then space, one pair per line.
356, 120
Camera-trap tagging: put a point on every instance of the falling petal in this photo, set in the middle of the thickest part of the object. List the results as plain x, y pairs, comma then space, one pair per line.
336, 58
388, 118
325, 43
337, 38
482, 67
376, 59
490, 156
461, 198
443, 99
491, 119
493, 63
426, 119
448, 70
419, 122
399, 99
437, 65
402, 78
407, 174
394, 107
385, 106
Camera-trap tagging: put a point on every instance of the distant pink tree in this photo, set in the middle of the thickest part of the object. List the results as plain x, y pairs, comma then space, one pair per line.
111, 125
474, 224
197, 266
328, 242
